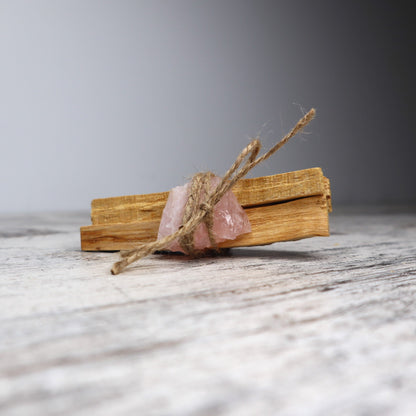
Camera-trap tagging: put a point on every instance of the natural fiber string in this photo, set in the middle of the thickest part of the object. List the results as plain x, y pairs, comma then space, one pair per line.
203, 211
198, 194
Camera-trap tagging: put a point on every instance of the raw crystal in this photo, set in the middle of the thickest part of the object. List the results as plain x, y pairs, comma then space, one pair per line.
230, 220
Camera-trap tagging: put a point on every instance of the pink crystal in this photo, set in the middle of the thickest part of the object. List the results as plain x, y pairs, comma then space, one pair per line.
230, 220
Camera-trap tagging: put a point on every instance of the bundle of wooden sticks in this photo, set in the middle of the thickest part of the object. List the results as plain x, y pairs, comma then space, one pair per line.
283, 207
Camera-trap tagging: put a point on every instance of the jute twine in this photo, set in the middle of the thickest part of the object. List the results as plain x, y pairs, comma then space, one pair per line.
201, 201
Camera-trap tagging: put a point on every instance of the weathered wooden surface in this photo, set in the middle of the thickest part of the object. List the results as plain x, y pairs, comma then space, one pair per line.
325, 326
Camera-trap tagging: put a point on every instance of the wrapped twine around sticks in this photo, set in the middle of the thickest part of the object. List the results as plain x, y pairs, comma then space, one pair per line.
201, 202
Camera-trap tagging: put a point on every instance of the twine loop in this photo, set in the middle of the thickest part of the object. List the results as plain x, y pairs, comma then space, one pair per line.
201, 201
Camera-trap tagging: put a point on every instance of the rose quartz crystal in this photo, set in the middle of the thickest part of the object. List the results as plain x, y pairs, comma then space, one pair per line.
230, 220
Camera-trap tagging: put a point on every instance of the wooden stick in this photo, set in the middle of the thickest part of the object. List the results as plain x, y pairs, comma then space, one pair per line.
293, 220
249, 192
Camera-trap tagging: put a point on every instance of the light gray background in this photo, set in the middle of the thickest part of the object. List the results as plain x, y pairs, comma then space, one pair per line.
105, 98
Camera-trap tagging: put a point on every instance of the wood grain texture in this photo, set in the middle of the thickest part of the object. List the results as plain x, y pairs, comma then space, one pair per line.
312, 327
302, 218
249, 192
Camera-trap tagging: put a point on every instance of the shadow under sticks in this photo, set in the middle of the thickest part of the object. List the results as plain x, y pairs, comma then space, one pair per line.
273, 254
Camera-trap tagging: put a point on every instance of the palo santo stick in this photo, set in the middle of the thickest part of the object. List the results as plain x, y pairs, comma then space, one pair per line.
249, 192
293, 220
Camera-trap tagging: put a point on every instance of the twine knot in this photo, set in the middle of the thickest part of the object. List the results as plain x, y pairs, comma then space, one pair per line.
205, 207
197, 202
201, 201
